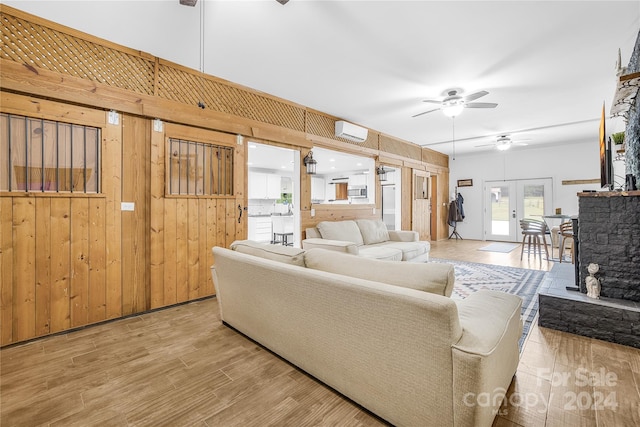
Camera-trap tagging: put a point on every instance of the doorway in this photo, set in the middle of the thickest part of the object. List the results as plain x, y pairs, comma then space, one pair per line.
273, 194
391, 199
507, 202
421, 215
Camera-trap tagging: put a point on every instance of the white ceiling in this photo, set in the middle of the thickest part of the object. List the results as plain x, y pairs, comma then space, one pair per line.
549, 65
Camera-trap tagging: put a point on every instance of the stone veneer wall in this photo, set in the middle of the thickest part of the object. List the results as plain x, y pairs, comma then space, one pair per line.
609, 235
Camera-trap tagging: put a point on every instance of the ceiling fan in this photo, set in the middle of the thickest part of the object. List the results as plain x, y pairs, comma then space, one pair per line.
504, 142
454, 103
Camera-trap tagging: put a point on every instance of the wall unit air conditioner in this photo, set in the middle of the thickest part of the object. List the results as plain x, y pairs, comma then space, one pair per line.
351, 132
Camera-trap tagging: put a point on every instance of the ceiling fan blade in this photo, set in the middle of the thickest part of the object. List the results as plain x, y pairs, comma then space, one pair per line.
481, 105
425, 112
521, 144
476, 95
485, 145
432, 101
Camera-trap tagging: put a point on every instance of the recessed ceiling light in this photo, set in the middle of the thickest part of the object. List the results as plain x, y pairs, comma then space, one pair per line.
332, 160
252, 145
358, 164
283, 167
250, 163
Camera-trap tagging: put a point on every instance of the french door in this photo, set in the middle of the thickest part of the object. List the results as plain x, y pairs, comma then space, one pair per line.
507, 202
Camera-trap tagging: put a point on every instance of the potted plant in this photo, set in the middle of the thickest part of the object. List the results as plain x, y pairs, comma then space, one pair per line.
618, 138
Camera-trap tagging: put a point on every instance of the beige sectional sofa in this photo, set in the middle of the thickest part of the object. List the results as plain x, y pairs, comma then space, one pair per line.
383, 333
367, 238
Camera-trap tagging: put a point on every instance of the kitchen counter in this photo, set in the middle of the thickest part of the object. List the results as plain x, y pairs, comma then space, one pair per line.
267, 215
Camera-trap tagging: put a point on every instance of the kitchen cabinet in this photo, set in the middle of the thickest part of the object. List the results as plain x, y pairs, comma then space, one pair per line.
264, 185
260, 229
360, 179
287, 185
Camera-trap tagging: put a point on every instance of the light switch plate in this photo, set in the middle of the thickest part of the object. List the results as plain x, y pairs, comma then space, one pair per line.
113, 118
127, 206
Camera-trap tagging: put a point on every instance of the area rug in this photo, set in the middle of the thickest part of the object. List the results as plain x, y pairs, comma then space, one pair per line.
500, 247
472, 277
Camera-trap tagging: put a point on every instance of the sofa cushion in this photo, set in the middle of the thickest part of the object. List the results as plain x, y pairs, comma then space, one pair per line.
409, 249
380, 252
373, 231
429, 277
340, 230
286, 254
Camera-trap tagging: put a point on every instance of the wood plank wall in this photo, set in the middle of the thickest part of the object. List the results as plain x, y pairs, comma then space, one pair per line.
69, 261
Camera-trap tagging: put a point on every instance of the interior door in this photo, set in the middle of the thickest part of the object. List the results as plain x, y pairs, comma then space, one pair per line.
507, 202
421, 215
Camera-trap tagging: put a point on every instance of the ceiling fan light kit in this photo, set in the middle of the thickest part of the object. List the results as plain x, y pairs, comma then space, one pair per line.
454, 103
453, 110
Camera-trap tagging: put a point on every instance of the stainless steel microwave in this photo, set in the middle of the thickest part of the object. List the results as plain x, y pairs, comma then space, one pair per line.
358, 191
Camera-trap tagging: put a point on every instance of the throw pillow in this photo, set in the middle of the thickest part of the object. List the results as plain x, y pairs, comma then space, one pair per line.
341, 230
286, 254
373, 231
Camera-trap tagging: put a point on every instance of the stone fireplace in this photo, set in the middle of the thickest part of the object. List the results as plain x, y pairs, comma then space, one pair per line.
608, 235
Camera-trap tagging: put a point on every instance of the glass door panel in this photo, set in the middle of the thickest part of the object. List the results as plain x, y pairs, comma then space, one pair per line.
500, 201
507, 202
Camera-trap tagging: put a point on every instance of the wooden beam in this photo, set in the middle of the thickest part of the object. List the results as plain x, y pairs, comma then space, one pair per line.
581, 181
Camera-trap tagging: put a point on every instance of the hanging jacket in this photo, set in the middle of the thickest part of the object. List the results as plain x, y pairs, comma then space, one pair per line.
460, 202
454, 214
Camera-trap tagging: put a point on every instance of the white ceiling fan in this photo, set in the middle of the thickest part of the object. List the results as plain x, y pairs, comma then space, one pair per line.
504, 142
453, 104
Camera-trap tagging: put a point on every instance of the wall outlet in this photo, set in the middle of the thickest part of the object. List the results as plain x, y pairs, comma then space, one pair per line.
313, 213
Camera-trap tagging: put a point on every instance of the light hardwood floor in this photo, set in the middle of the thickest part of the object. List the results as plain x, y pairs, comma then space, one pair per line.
180, 366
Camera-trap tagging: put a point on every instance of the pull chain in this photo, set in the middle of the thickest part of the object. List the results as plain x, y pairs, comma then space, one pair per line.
453, 133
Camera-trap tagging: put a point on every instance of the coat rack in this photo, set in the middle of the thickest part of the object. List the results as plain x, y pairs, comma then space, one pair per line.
456, 214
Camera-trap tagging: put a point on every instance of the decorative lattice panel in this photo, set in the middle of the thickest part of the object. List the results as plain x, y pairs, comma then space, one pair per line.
325, 126
401, 148
44, 47
435, 158
191, 88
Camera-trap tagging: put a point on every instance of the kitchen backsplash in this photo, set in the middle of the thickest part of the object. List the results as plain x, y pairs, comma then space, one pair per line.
265, 207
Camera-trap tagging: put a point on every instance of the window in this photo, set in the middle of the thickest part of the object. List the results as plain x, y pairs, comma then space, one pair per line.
39, 155
197, 168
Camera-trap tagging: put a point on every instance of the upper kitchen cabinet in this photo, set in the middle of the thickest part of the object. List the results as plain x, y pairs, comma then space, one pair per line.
264, 185
317, 189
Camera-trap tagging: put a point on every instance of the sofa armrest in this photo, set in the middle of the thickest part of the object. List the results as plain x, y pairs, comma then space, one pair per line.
403, 236
332, 245
486, 356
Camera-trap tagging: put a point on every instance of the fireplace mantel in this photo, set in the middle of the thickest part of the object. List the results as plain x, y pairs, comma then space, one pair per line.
634, 193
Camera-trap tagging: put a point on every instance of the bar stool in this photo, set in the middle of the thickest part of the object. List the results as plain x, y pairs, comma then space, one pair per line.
566, 231
282, 230
532, 231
